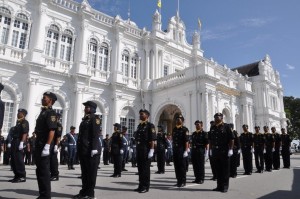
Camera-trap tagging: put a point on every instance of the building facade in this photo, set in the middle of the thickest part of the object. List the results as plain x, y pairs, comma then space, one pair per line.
81, 54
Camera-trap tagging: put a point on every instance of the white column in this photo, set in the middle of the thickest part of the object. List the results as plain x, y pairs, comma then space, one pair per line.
10, 32
138, 72
30, 101
83, 43
64, 120
78, 114
250, 117
213, 99
15, 113
206, 109
147, 69
104, 123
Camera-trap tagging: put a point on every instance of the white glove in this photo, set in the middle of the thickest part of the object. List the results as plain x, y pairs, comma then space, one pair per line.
273, 149
46, 151
166, 150
252, 150
128, 148
280, 148
206, 153
230, 152
93, 152
239, 151
265, 151
55, 149
210, 152
21, 145
66, 149
121, 151
188, 150
185, 154
8, 145
150, 154
131, 150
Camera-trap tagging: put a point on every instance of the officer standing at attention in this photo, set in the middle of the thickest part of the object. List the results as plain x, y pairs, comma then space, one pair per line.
180, 150
276, 153
117, 150
72, 138
46, 124
19, 136
199, 151
54, 173
145, 136
259, 145
286, 148
211, 161
221, 141
88, 141
246, 140
270, 144
133, 150
234, 159
161, 147
2, 108
106, 147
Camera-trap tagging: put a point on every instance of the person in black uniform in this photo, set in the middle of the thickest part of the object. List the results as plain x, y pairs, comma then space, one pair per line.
100, 146
180, 136
246, 140
2, 108
144, 137
212, 165
234, 159
106, 147
32, 142
199, 145
117, 150
161, 147
46, 124
54, 173
276, 153
2, 142
88, 142
221, 141
269, 144
259, 145
19, 136
7, 147
286, 148
63, 151
133, 150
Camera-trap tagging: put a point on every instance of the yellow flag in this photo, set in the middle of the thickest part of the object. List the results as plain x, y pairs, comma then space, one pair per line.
159, 3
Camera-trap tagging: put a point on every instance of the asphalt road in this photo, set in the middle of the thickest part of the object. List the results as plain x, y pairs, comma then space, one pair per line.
281, 184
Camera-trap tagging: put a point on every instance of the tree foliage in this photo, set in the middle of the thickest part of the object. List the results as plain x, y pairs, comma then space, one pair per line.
292, 110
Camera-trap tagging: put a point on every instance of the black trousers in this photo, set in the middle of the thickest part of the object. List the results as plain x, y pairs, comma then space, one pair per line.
143, 164
213, 167
276, 159
33, 156
43, 173
286, 157
247, 159
268, 159
234, 162
222, 164
179, 165
259, 159
161, 160
117, 159
198, 160
105, 156
53, 163
124, 158
17, 159
89, 167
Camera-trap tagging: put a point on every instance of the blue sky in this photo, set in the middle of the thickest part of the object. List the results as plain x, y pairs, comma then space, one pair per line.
234, 32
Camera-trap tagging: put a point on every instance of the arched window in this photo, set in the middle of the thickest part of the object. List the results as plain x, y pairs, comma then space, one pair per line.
20, 31
66, 45
134, 61
93, 46
103, 57
52, 41
8, 99
125, 63
5, 20
127, 119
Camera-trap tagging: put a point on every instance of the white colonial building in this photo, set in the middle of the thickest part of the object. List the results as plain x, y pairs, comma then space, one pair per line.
82, 54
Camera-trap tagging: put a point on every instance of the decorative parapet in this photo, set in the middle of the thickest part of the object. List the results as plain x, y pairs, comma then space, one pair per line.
12, 53
103, 18
67, 4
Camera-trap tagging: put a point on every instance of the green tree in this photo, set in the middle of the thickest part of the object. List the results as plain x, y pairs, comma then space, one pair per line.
292, 110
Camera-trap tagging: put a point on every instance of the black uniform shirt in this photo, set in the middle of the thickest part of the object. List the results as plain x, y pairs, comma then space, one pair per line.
259, 140
88, 137
161, 142
116, 143
220, 136
246, 140
2, 109
145, 134
22, 127
269, 140
199, 139
277, 138
45, 122
237, 143
286, 140
180, 137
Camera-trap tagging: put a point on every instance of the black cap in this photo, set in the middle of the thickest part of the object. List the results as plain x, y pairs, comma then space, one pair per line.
282, 128
107, 135
124, 128
245, 125
231, 125
266, 127
198, 122
1, 87
24, 111
180, 116
218, 114
90, 104
58, 114
212, 122
117, 125
257, 127
51, 95
144, 111
72, 127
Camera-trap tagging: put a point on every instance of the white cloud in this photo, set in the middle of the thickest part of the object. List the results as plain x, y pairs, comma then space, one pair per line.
255, 22
284, 75
290, 67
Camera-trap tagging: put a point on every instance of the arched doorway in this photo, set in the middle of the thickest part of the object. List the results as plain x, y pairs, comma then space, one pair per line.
127, 118
167, 117
226, 116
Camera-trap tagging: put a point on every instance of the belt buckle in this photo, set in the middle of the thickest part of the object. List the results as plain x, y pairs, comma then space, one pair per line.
216, 147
